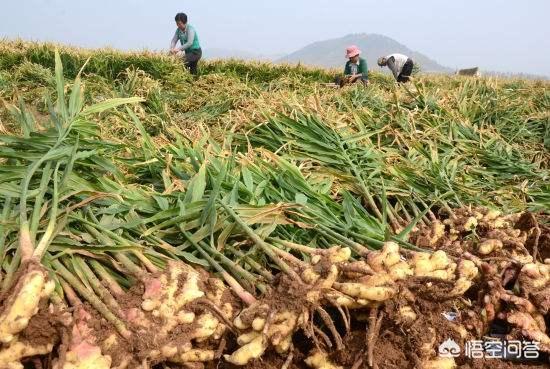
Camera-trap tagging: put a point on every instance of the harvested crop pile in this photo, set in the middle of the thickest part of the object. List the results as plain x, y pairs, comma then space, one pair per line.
305, 247
407, 304
384, 308
177, 316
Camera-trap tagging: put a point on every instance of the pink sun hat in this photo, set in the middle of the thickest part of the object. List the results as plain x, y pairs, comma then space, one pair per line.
352, 51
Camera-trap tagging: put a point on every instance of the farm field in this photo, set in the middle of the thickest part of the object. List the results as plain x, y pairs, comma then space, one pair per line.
256, 218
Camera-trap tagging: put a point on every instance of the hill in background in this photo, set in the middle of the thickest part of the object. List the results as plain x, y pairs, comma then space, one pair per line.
214, 53
330, 53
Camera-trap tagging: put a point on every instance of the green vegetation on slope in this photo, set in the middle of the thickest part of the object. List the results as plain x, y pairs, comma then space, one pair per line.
108, 175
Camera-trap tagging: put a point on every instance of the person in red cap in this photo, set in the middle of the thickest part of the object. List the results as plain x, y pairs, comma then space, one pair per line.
356, 67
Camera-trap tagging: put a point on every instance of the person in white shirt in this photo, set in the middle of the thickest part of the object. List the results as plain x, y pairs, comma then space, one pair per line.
400, 65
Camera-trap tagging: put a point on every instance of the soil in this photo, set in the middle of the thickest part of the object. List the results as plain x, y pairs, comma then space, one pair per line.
102, 331
44, 328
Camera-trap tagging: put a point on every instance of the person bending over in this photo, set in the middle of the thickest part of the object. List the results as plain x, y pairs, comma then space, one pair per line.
400, 65
190, 45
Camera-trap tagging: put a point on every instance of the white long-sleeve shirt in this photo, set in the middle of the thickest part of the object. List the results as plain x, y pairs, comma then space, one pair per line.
396, 62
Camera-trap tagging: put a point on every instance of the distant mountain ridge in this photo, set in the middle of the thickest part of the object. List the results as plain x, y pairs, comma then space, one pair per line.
215, 53
330, 53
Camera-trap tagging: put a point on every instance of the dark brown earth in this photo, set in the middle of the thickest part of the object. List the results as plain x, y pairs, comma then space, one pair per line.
44, 328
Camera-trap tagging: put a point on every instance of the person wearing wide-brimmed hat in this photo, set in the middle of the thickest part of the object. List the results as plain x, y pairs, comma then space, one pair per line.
356, 67
400, 65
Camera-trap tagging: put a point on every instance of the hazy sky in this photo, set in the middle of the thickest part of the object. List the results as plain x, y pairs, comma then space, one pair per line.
502, 35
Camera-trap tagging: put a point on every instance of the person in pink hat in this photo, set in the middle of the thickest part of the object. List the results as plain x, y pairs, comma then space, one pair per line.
356, 67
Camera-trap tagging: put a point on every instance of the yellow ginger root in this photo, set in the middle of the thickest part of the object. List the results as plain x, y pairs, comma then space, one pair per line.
421, 264
23, 305
439, 260
462, 224
309, 276
185, 317
430, 237
265, 326
110, 342
530, 328
429, 339
194, 356
246, 338
407, 315
206, 327
373, 288
437, 231
400, 271
10, 357
208, 324
164, 299
252, 350
85, 356
524, 306
247, 316
334, 255
388, 260
277, 330
470, 224
436, 265
342, 300
216, 293
316, 259
312, 275
467, 269
385, 258
439, 363
534, 276
254, 342
281, 326
489, 246
521, 257
320, 360
376, 280
284, 345
83, 352
503, 222
362, 292
327, 282
227, 311
339, 254
355, 268
258, 324
512, 239
170, 352
467, 272
491, 215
